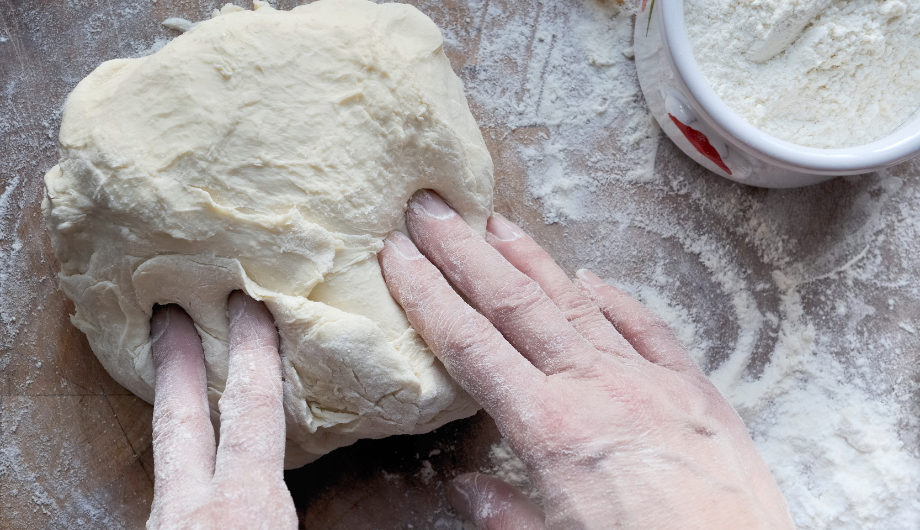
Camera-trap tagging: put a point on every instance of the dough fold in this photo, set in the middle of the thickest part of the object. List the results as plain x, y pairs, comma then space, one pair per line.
270, 151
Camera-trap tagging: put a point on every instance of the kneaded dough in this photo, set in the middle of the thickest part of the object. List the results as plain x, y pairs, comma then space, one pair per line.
270, 151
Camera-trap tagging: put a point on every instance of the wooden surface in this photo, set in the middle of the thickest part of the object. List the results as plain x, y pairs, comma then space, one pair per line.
75, 446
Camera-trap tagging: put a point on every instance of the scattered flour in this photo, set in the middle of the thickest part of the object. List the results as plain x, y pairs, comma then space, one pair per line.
820, 73
60, 501
11, 267
832, 440
427, 472
508, 467
792, 300
803, 369
548, 71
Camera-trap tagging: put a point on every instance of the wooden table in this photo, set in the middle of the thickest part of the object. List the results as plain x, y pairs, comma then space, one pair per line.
75, 446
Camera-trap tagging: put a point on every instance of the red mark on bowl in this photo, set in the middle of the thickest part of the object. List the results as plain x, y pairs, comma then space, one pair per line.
701, 143
644, 3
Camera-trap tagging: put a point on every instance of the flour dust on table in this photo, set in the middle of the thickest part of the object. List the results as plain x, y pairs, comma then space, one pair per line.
784, 296
801, 305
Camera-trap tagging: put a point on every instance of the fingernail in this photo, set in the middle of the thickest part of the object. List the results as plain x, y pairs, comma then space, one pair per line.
159, 321
589, 277
433, 205
503, 229
236, 305
460, 497
402, 245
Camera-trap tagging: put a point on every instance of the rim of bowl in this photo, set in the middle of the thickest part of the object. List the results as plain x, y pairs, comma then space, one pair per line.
900, 145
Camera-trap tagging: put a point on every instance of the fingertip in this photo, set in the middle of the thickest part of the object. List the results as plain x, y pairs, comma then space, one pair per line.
502, 229
240, 306
402, 246
159, 322
429, 203
646, 331
589, 278
172, 332
237, 305
595, 287
460, 494
493, 504
401, 264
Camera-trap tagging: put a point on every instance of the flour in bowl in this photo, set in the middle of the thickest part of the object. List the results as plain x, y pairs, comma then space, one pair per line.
819, 73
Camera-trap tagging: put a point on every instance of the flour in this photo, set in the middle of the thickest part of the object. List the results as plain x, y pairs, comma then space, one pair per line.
60, 502
791, 300
803, 370
508, 467
699, 250
832, 443
848, 468
819, 73
561, 76
815, 366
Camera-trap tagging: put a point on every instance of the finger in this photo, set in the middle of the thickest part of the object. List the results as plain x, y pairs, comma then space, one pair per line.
530, 258
648, 333
183, 438
515, 304
473, 352
493, 504
252, 428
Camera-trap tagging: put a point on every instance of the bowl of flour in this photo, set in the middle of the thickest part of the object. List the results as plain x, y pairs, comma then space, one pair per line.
784, 93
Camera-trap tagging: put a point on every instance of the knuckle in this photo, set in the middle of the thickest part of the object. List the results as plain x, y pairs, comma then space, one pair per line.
560, 441
517, 296
708, 400
254, 336
265, 351
168, 420
532, 257
563, 439
424, 289
466, 331
703, 411
250, 402
461, 242
578, 309
649, 325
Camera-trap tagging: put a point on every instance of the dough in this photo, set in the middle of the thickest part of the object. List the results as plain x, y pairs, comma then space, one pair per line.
270, 151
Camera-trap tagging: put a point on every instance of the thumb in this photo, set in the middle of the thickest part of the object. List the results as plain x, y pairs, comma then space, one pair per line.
493, 504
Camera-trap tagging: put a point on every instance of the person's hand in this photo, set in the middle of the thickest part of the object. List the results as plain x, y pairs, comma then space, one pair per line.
617, 425
240, 484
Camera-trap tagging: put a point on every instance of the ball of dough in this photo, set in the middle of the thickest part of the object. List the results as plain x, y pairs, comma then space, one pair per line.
270, 151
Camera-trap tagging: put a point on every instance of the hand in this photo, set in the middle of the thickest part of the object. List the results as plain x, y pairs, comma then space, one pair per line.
615, 422
240, 484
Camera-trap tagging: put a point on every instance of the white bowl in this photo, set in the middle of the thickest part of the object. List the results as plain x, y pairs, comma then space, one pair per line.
707, 130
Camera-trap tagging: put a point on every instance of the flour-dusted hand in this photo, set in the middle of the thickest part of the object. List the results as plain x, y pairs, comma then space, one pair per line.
240, 484
617, 425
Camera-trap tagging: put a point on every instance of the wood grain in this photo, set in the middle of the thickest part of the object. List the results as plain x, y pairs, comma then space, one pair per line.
75, 444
